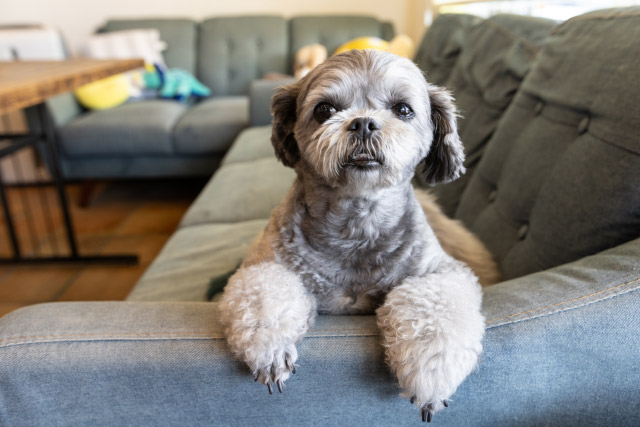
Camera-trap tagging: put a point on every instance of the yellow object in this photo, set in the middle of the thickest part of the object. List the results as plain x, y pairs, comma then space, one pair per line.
362, 43
401, 45
105, 93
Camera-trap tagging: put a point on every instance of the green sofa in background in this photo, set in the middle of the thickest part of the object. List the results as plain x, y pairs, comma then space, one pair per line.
163, 138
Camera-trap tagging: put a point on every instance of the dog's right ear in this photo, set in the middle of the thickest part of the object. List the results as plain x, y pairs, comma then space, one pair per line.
283, 110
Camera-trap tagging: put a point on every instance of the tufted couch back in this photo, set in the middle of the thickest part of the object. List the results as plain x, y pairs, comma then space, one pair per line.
497, 56
227, 53
233, 51
442, 44
333, 31
560, 178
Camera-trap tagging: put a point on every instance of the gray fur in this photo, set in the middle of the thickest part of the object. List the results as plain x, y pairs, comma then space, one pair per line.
349, 239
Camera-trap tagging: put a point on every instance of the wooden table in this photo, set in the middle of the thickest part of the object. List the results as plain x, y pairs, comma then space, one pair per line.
30, 84
23, 84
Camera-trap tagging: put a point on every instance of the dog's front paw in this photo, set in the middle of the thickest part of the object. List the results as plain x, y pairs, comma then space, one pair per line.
429, 377
276, 367
432, 329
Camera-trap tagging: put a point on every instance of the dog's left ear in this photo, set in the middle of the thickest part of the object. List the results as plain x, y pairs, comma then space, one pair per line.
445, 159
283, 110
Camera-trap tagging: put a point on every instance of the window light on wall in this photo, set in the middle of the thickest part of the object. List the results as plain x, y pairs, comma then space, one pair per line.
559, 10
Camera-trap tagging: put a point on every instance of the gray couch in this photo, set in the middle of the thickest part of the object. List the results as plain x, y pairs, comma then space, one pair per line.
160, 138
554, 195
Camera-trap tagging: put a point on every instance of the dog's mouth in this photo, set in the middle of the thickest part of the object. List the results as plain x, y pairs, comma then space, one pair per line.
364, 161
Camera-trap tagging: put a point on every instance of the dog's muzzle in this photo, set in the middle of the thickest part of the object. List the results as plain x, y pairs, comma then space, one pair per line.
363, 160
363, 129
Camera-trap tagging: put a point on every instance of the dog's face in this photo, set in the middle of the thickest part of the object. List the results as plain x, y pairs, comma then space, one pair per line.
366, 119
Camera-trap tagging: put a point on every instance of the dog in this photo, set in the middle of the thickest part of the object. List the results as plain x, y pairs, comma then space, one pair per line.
351, 236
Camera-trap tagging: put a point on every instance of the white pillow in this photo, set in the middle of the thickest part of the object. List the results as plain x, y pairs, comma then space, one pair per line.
31, 43
126, 44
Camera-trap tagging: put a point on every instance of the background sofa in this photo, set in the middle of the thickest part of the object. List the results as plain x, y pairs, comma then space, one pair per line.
159, 138
554, 195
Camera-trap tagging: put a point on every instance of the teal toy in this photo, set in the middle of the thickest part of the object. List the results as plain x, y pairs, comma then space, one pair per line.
175, 84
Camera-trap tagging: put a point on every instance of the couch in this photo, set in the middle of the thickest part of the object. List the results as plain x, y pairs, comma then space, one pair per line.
554, 195
160, 138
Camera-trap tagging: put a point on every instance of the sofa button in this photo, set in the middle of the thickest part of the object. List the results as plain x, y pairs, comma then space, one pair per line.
492, 196
538, 108
522, 232
583, 126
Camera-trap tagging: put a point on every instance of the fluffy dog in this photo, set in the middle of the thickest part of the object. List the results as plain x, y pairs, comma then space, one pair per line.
351, 236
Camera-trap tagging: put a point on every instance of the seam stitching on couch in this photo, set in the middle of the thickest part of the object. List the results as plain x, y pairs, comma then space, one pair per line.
564, 302
203, 335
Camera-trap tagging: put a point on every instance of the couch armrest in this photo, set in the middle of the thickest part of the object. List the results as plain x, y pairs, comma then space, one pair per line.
260, 93
561, 347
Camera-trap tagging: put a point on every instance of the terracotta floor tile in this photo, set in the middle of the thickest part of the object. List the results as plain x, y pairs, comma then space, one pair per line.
33, 284
103, 284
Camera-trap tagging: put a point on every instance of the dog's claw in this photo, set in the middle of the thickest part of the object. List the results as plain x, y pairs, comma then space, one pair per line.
279, 384
290, 366
427, 413
269, 387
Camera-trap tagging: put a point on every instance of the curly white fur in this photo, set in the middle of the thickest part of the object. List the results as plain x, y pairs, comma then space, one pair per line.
432, 331
265, 311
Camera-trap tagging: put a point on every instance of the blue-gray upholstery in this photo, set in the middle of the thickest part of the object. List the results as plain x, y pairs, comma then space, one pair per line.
332, 31
440, 47
211, 126
497, 56
559, 179
233, 51
139, 128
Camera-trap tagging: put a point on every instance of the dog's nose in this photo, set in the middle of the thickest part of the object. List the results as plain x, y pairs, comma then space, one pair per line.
363, 127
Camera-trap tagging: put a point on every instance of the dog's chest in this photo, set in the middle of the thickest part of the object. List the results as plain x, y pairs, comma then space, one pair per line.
349, 261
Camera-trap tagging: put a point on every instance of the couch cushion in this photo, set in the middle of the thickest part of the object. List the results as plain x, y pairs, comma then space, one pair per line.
442, 44
332, 31
136, 128
252, 144
147, 166
178, 34
192, 257
241, 192
212, 125
496, 58
559, 179
235, 50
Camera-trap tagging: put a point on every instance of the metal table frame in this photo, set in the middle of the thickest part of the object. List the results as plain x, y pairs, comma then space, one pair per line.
47, 138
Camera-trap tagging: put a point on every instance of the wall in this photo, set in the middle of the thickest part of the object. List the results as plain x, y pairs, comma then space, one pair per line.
78, 18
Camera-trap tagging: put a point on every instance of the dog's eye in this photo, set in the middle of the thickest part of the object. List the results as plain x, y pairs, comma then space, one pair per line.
323, 111
402, 110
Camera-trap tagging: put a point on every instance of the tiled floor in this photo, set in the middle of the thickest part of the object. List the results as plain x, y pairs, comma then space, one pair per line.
124, 217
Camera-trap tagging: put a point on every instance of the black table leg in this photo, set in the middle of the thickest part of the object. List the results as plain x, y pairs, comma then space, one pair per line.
48, 138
